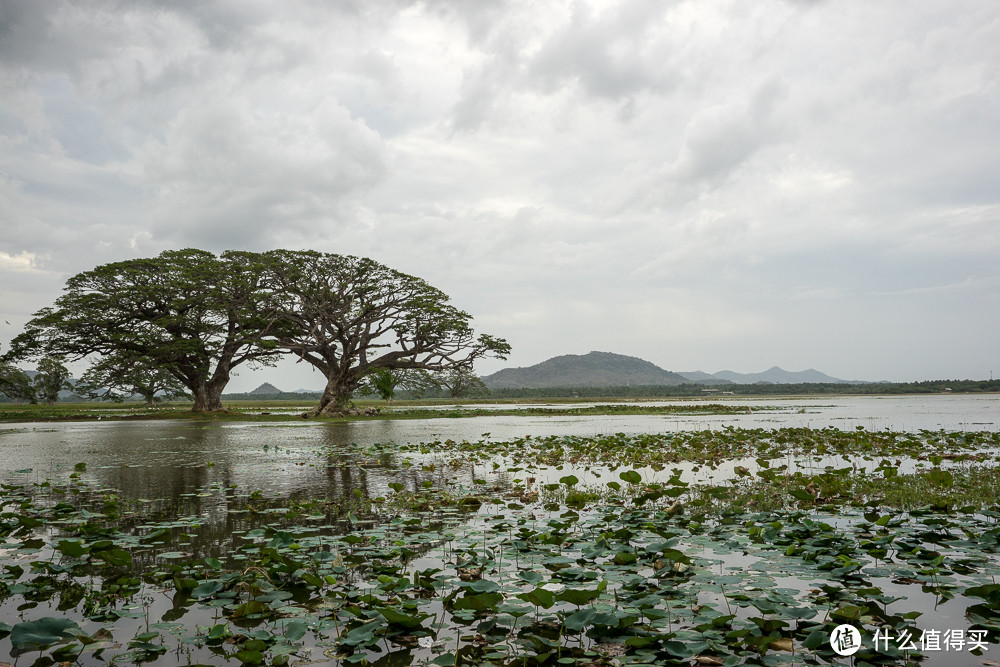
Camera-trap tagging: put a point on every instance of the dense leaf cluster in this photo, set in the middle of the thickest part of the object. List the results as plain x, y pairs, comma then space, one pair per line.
185, 319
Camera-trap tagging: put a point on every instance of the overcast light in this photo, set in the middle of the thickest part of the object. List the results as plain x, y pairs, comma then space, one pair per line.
707, 185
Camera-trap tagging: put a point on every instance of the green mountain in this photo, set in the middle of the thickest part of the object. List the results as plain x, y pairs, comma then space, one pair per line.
266, 389
596, 369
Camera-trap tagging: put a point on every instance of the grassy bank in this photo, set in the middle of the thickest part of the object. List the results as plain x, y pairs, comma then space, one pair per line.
272, 411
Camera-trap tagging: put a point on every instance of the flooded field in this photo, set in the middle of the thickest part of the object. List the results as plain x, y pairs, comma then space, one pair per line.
593, 540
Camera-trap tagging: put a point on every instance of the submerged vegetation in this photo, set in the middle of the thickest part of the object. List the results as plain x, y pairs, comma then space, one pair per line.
739, 546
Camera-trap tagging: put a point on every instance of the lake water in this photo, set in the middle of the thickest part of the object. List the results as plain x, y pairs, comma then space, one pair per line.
191, 469
163, 459
901, 413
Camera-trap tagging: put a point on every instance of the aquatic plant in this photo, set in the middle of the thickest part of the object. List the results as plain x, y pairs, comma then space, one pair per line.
551, 550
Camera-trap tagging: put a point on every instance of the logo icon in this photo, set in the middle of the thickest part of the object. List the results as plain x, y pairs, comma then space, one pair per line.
845, 639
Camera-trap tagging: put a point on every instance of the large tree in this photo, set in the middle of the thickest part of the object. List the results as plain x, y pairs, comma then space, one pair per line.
193, 314
384, 383
120, 375
458, 382
15, 383
51, 378
351, 316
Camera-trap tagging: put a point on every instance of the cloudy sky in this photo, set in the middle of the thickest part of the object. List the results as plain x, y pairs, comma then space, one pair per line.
706, 185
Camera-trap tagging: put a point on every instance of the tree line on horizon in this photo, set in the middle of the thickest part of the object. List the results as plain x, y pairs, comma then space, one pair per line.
755, 389
182, 321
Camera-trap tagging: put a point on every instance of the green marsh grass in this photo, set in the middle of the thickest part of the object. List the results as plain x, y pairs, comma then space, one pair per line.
278, 411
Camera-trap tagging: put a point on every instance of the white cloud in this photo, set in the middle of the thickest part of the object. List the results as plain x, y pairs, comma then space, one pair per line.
578, 174
22, 262
228, 172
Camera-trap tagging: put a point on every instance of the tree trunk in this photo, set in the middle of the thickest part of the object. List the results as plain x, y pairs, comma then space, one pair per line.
207, 397
148, 395
208, 393
334, 400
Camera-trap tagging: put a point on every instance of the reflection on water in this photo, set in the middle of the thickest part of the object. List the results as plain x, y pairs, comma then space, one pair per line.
168, 459
214, 482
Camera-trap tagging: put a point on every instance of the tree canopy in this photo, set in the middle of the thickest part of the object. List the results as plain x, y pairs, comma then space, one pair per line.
121, 375
351, 316
51, 378
459, 382
193, 314
385, 382
188, 317
15, 383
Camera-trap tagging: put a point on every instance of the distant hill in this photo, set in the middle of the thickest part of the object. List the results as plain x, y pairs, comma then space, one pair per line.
701, 376
596, 369
773, 375
266, 389
279, 396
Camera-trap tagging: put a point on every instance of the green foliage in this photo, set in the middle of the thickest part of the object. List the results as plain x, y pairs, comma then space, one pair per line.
383, 382
187, 318
628, 579
52, 377
187, 312
461, 382
120, 375
351, 316
41, 634
15, 383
